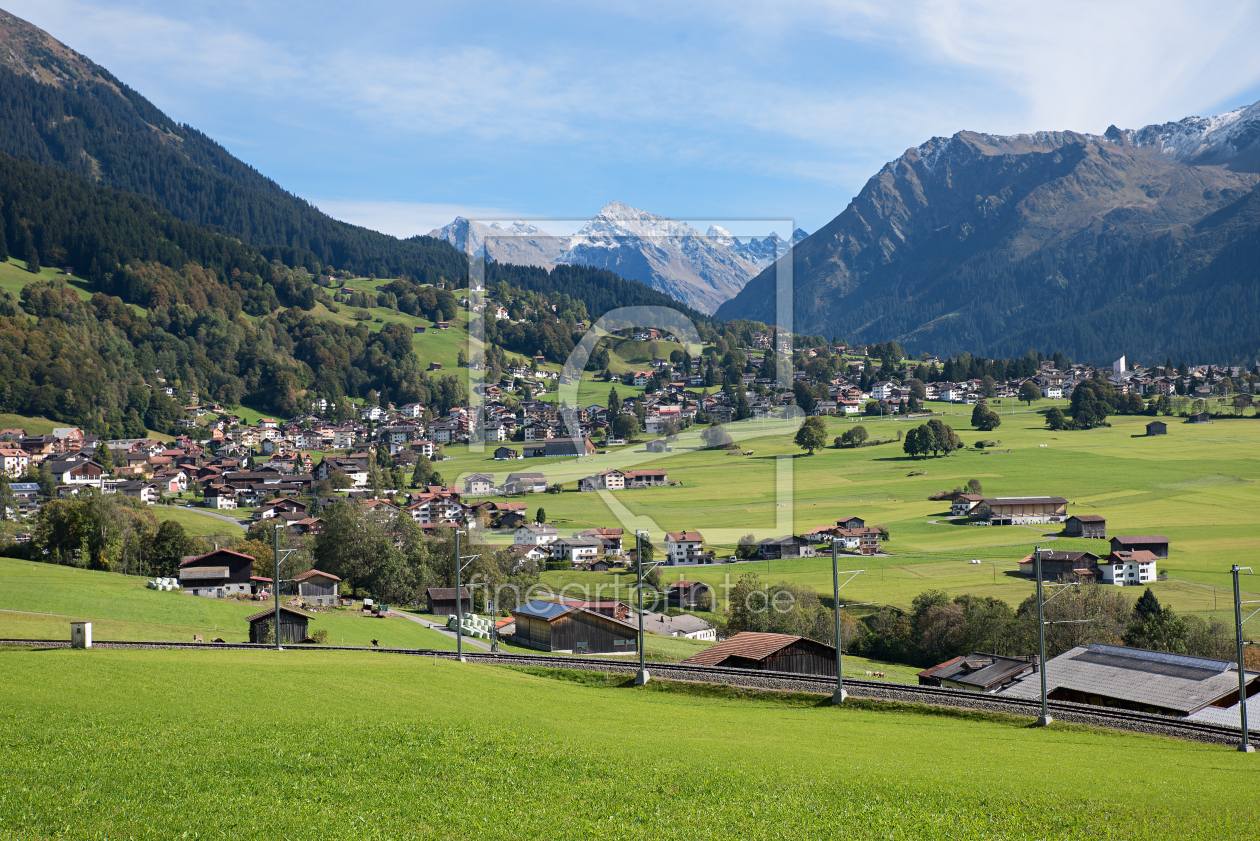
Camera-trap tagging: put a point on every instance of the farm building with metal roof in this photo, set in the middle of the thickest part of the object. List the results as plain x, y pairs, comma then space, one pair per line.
1137, 679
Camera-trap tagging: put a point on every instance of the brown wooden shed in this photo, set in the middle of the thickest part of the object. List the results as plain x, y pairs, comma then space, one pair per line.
549, 626
770, 652
442, 601
292, 624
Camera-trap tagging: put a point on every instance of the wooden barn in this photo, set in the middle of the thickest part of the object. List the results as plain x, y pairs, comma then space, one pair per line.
686, 594
1156, 544
1086, 525
442, 601
1157, 428
549, 626
292, 625
770, 652
316, 587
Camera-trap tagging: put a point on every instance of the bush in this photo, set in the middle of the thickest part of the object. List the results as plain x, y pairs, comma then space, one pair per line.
320, 636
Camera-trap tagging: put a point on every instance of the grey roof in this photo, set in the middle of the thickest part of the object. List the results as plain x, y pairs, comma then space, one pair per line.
1152, 678
982, 672
543, 610
1228, 716
660, 623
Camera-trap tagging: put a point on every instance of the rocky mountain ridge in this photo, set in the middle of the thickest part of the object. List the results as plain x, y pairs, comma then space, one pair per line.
700, 270
981, 242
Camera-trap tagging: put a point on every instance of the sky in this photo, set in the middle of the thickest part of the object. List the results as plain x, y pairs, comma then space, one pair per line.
401, 115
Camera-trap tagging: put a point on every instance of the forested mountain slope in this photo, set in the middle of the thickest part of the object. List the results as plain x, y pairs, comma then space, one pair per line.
1099, 245
60, 109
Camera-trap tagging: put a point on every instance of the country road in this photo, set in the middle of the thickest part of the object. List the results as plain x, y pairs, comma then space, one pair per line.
441, 629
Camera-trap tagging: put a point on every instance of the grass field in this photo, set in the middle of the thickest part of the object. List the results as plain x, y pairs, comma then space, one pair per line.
196, 521
38, 601
1197, 486
167, 744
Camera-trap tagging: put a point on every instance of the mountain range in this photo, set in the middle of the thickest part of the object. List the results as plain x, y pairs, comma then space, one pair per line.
700, 270
1145, 242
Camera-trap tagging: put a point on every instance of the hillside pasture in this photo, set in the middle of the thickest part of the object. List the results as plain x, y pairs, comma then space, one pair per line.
110, 743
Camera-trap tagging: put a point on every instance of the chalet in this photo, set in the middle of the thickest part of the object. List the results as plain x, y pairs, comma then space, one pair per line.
84, 472
684, 547
217, 574
442, 600
1056, 565
1090, 526
687, 594
506, 454
143, 491
646, 478
1020, 510
978, 672
520, 483
1156, 544
1157, 428
13, 462
293, 624
535, 534
789, 546
576, 550
964, 504
770, 652
479, 484
550, 626
220, 497
317, 587
612, 538
609, 480
1128, 567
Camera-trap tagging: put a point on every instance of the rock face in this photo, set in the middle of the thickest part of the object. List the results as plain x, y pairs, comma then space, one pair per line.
700, 270
995, 244
671, 256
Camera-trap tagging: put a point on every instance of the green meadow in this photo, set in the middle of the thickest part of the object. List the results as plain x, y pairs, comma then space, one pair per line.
1196, 486
38, 601
260, 744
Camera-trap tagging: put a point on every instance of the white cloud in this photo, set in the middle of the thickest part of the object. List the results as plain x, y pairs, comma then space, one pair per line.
733, 94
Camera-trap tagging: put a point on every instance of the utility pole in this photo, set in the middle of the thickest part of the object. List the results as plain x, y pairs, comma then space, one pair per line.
839, 695
1245, 746
1041, 640
275, 587
459, 596
459, 602
642, 677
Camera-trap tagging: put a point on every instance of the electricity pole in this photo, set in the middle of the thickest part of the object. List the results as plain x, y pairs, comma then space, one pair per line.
1041, 640
839, 695
1245, 746
275, 587
459, 602
642, 677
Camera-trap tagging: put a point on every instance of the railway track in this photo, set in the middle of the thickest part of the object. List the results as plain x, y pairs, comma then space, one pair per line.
875, 690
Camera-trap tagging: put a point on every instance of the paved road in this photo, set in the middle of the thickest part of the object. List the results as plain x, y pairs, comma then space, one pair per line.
225, 518
442, 629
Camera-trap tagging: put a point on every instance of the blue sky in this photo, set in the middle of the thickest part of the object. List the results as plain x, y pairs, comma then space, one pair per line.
400, 115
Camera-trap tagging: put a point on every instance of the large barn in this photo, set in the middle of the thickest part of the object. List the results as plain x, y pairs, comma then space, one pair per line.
771, 652
549, 626
218, 574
